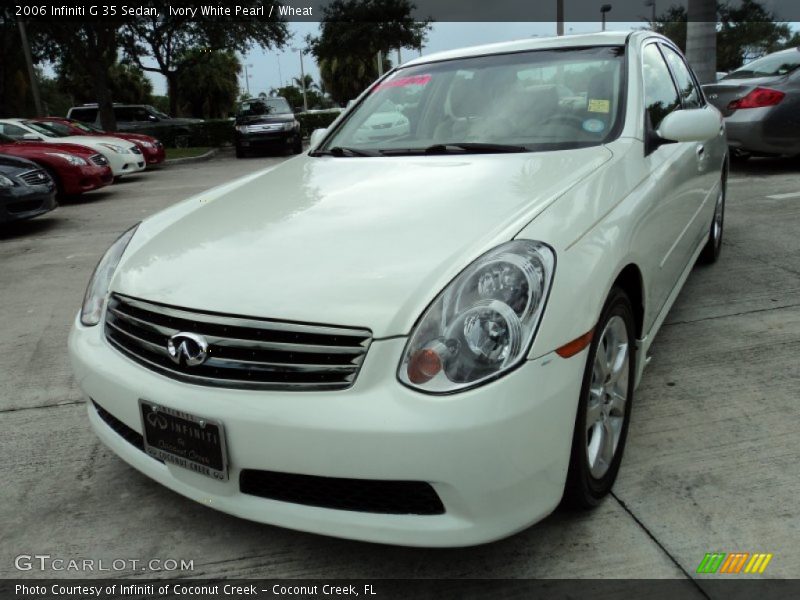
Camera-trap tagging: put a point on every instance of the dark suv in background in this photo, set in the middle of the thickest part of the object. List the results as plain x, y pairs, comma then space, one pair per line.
130, 117
267, 124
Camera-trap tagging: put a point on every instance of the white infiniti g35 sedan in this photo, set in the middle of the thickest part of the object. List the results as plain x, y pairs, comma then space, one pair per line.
432, 339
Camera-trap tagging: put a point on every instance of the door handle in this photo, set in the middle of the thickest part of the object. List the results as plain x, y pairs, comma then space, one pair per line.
700, 150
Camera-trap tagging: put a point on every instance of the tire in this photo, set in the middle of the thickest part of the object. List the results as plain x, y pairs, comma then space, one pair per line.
740, 157
590, 478
710, 252
298, 146
57, 180
240, 153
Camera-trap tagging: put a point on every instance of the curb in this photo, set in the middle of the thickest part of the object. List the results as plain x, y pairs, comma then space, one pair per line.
190, 159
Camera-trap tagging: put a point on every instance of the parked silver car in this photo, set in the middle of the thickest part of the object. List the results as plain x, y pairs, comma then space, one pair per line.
761, 103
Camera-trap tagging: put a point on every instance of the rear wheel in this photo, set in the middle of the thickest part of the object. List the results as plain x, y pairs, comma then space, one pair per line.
604, 408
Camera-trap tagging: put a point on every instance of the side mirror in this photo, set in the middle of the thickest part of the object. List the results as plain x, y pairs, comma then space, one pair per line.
691, 125
31, 137
316, 137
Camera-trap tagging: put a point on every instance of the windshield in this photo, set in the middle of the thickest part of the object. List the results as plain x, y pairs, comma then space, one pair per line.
537, 100
43, 129
86, 127
773, 65
268, 106
57, 127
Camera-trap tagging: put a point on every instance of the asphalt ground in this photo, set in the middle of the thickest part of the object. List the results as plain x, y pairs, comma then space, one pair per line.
711, 463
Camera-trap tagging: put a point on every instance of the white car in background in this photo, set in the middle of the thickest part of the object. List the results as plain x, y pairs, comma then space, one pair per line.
428, 340
123, 157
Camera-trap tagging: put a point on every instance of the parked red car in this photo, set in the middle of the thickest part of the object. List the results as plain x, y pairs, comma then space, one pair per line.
75, 169
152, 149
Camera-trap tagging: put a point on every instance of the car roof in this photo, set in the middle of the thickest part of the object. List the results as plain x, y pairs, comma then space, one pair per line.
607, 38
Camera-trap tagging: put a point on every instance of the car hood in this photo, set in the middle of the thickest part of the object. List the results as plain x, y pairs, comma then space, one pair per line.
50, 147
344, 241
93, 140
13, 164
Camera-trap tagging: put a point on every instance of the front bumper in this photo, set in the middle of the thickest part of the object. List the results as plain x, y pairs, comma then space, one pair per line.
267, 140
155, 156
34, 201
125, 164
80, 179
496, 456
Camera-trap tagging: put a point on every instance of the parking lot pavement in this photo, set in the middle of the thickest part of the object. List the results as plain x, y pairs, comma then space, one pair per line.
711, 463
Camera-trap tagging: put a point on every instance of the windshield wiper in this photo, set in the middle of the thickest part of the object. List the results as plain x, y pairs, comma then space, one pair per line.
458, 148
339, 151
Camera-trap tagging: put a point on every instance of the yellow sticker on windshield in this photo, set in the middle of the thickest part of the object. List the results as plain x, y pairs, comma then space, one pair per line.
599, 106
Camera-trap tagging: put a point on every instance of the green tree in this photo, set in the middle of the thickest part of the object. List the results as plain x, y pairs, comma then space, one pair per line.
127, 83
91, 48
209, 84
743, 33
351, 34
169, 40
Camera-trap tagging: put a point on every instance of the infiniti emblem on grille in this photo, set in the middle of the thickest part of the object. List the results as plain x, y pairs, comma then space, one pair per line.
189, 349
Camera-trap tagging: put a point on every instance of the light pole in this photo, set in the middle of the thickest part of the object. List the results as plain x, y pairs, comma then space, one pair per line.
603, 10
559, 17
302, 79
247, 78
652, 5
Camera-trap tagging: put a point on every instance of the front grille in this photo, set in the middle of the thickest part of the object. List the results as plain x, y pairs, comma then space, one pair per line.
35, 177
362, 495
24, 206
99, 159
242, 352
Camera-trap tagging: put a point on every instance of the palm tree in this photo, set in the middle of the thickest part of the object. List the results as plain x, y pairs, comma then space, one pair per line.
310, 84
701, 39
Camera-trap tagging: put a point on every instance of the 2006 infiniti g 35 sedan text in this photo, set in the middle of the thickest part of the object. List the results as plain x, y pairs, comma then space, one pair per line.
429, 337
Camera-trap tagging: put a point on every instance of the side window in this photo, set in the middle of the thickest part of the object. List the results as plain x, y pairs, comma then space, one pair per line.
87, 115
688, 90
660, 95
140, 114
12, 131
125, 113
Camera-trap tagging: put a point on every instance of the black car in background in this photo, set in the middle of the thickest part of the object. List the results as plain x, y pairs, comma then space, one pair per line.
267, 124
131, 117
26, 190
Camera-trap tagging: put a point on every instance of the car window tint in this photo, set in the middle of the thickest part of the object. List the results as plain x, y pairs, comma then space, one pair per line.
59, 127
12, 131
84, 114
660, 95
688, 90
125, 113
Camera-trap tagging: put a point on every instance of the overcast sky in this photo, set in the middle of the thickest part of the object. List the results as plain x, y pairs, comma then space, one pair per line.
270, 68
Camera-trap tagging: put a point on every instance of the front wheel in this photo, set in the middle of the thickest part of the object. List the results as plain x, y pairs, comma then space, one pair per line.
710, 252
604, 407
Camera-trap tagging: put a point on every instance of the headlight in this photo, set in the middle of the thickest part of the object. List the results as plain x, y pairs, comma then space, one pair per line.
97, 289
288, 126
117, 149
483, 323
5, 182
70, 158
144, 143
241, 128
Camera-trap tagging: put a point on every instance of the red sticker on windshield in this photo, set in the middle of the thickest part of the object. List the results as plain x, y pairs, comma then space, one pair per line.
403, 82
